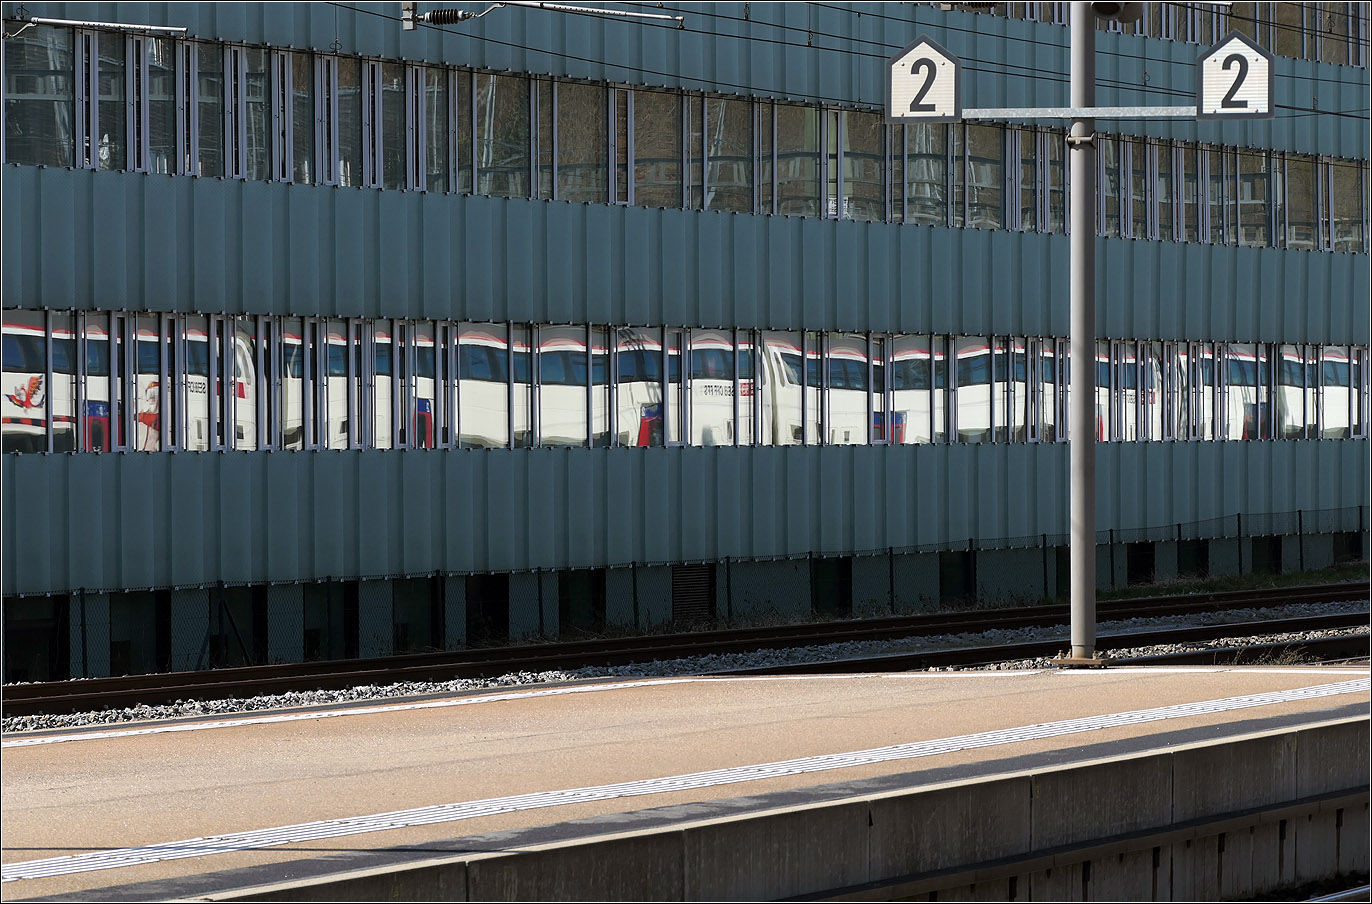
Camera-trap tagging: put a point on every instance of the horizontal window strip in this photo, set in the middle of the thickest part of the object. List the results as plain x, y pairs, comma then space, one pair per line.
104, 382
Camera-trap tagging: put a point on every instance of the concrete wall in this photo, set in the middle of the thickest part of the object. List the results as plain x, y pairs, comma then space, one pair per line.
1233, 817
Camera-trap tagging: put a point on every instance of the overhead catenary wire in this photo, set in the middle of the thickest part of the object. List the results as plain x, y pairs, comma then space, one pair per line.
970, 64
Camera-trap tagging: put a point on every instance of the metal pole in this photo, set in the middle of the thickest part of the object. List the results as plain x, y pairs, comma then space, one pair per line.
1081, 415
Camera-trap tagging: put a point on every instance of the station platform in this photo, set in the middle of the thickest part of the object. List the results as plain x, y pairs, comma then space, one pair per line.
257, 804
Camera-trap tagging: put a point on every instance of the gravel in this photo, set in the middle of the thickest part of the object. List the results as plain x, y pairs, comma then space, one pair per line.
721, 662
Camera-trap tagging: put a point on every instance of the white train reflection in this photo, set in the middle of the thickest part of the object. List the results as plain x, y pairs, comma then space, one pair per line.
144, 382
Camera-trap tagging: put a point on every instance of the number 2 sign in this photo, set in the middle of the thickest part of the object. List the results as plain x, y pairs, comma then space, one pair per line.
923, 84
1234, 80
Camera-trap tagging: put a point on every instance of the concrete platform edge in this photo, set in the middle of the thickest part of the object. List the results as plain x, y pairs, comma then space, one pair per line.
921, 844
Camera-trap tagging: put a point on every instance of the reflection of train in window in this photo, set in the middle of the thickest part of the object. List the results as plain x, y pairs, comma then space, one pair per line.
150, 382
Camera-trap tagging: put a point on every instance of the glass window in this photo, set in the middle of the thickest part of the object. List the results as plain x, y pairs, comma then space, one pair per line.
1138, 188
195, 383
911, 387
1345, 196
393, 125
1203, 394
434, 83
1028, 181
294, 374
483, 368
39, 100
1165, 189
884, 430
147, 391
350, 170
927, 175
464, 113
675, 415
1050, 397
522, 367
896, 184
1336, 390
1331, 23
1311, 354
1297, 202
712, 388
657, 149
973, 397
1290, 413
1000, 389
1190, 180
1057, 191
797, 160
1109, 155
864, 189
583, 153
1126, 367
1104, 387
985, 179
25, 399
638, 386
563, 386
1217, 199
848, 400
302, 117
245, 383
161, 92
783, 388
1253, 197
112, 142
1241, 392
1358, 389
815, 414
602, 400
619, 100
1178, 391
750, 383
728, 154
502, 135
63, 390
257, 122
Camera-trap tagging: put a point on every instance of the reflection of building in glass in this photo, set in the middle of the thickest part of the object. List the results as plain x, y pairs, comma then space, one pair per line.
403, 342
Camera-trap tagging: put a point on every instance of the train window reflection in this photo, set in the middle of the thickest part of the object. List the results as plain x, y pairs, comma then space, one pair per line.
639, 415
782, 391
483, 396
750, 387
195, 385
1336, 392
522, 368
712, 388
25, 397
562, 377
973, 398
1290, 414
847, 421
601, 401
911, 387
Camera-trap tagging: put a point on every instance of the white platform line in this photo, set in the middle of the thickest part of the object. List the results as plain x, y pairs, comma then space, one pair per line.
453, 812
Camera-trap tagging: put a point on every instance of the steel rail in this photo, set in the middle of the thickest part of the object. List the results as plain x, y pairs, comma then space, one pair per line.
103, 693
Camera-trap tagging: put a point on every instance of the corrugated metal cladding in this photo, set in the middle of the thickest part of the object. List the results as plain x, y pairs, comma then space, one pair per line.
95, 241
831, 53
120, 521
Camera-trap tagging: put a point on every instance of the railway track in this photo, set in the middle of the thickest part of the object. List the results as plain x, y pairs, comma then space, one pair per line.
88, 695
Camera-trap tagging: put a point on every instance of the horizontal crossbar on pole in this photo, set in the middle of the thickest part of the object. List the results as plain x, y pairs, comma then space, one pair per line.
1076, 112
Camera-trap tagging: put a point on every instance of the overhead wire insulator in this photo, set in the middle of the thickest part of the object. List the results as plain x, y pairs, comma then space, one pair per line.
446, 16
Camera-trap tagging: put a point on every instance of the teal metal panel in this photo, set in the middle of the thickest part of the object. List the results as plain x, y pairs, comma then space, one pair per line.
351, 252
104, 522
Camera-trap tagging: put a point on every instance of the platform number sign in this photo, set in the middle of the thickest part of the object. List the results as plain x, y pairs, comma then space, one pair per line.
923, 84
1234, 80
